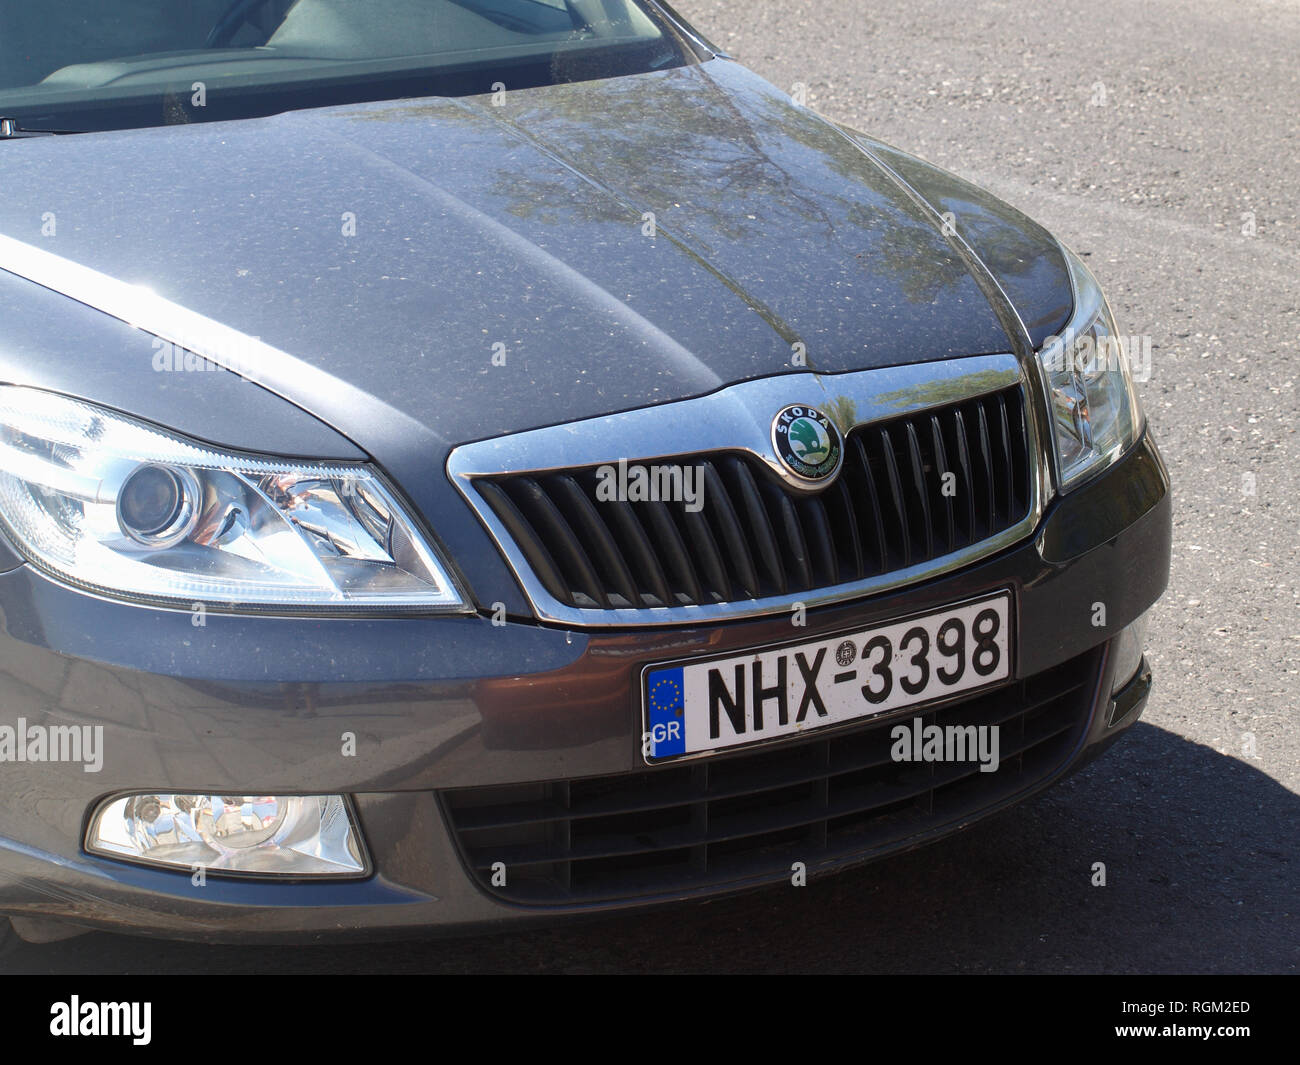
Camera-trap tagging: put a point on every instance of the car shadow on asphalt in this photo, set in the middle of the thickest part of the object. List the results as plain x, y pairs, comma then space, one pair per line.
1201, 856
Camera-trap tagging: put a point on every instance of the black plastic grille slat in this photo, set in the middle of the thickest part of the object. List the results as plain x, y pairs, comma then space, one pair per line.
897, 498
850, 543
817, 530
532, 545
966, 488
795, 544
1017, 472
539, 508
1003, 463
986, 466
828, 799
707, 557
871, 499
920, 487
730, 532
758, 524
944, 471
913, 488
642, 558
591, 529
672, 548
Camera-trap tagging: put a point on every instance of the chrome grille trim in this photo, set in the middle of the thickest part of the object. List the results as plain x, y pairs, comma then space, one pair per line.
737, 419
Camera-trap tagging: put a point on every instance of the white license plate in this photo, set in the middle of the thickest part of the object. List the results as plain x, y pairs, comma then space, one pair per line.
698, 706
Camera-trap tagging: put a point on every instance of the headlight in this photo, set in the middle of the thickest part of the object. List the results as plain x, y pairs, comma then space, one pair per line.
114, 505
1089, 384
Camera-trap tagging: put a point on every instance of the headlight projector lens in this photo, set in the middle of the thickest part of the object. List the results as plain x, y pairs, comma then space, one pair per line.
157, 505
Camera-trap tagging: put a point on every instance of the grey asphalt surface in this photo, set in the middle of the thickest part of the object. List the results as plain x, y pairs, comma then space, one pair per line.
1141, 134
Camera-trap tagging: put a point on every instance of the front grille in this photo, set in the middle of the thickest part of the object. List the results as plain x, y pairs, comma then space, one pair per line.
746, 817
912, 489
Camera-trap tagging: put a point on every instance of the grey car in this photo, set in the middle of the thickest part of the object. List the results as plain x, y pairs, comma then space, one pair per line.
474, 461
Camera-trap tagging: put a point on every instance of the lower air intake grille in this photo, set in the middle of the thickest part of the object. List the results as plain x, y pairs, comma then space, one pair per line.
744, 818
912, 489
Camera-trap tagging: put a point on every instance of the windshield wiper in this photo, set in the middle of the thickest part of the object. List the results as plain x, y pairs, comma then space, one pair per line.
11, 130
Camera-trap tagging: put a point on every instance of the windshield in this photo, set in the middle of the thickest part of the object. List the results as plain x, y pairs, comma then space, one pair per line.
78, 65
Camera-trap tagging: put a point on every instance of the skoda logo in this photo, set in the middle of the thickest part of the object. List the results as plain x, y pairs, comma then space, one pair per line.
807, 443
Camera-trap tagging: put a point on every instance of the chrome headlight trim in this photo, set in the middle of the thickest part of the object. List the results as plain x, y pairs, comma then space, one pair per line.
737, 419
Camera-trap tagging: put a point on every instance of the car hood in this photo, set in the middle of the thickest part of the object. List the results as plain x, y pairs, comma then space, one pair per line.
492, 264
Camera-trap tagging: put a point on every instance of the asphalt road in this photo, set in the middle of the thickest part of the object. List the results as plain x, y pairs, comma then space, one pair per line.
1149, 136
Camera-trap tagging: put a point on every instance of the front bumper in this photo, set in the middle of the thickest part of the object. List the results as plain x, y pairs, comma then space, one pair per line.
259, 705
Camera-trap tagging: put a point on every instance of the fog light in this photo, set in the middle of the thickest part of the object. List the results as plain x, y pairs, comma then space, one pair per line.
1127, 652
234, 835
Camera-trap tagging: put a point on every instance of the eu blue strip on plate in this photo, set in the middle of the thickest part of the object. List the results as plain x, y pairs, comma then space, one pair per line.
667, 713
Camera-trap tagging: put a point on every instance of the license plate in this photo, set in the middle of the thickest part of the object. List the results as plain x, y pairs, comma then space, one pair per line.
697, 707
